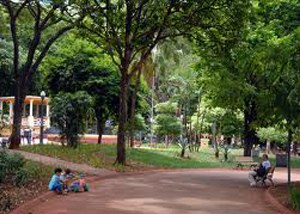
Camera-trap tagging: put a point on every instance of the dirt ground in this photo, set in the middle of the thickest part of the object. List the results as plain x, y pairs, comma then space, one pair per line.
281, 193
12, 196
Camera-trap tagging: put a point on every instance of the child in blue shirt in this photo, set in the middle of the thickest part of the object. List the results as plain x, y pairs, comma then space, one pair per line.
66, 178
55, 182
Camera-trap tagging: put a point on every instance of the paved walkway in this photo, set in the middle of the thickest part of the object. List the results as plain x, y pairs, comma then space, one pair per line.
64, 164
198, 192
205, 191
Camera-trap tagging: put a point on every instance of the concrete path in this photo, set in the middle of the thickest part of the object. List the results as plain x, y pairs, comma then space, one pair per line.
194, 192
64, 164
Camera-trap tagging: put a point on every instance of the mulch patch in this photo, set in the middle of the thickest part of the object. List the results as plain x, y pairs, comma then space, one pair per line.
280, 192
12, 197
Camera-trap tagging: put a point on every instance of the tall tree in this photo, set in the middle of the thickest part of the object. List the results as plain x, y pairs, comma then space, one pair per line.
129, 31
83, 67
167, 123
283, 81
250, 65
236, 83
45, 23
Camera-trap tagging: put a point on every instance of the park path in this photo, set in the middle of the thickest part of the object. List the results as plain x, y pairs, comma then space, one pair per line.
188, 192
64, 164
204, 191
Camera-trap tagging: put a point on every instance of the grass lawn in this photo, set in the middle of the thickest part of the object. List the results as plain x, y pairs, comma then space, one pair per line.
103, 156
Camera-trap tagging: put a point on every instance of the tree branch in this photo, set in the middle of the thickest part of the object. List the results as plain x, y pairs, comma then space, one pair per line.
32, 12
35, 40
13, 28
47, 47
21, 8
48, 16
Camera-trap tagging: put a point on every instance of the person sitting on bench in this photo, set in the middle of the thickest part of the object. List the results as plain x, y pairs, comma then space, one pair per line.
260, 171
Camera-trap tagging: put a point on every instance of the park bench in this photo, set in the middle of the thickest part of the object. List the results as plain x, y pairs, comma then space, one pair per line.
245, 162
267, 177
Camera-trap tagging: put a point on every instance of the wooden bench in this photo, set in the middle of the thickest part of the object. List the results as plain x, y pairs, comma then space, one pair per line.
268, 177
245, 162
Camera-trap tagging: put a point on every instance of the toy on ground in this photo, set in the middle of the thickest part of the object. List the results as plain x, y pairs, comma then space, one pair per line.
79, 184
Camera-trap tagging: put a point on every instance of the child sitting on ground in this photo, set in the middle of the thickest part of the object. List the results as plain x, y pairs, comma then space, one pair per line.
55, 183
66, 178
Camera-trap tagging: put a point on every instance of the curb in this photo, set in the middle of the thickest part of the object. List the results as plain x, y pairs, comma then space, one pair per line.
24, 208
275, 203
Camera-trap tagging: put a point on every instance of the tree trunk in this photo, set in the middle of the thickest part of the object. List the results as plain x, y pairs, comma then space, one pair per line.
295, 147
166, 140
290, 139
250, 137
133, 104
185, 121
216, 147
201, 128
268, 147
131, 139
15, 137
182, 152
198, 139
100, 125
190, 134
122, 119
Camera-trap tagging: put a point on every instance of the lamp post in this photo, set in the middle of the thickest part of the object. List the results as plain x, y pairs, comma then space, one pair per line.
43, 95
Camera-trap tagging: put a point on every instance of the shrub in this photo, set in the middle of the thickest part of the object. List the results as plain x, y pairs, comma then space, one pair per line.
3, 165
226, 150
20, 178
15, 162
183, 144
295, 198
70, 112
38, 171
11, 167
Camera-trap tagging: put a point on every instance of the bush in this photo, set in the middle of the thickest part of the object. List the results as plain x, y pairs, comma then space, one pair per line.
15, 162
226, 150
20, 178
37, 171
3, 165
11, 167
70, 113
183, 144
295, 198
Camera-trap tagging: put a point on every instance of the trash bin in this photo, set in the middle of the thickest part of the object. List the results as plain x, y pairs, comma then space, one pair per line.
255, 154
281, 160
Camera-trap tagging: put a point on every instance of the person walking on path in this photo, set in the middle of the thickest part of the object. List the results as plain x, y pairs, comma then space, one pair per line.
262, 169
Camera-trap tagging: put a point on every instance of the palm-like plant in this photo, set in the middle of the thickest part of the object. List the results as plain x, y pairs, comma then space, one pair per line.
184, 144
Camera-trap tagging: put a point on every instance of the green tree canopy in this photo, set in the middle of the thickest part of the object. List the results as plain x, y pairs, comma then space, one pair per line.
83, 67
166, 122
